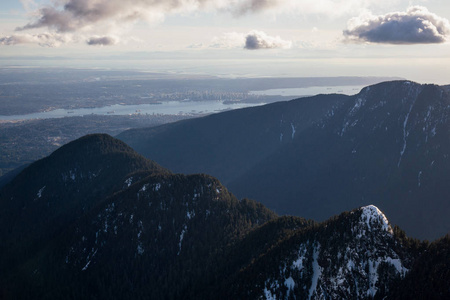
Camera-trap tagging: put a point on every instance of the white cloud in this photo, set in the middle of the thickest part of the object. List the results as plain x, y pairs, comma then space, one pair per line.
415, 26
229, 40
43, 39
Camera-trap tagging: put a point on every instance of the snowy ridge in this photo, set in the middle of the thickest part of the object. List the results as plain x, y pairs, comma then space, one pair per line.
340, 264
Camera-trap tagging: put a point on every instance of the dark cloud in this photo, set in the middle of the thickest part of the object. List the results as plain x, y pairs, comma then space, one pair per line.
251, 6
101, 41
259, 40
415, 26
62, 21
76, 15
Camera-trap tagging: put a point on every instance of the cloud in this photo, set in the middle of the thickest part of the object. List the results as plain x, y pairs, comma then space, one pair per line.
76, 15
259, 40
306, 8
415, 26
116, 17
229, 40
42, 39
102, 41
252, 6
253, 40
29, 5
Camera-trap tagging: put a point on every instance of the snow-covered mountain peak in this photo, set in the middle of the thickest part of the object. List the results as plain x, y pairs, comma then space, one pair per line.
374, 218
329, 262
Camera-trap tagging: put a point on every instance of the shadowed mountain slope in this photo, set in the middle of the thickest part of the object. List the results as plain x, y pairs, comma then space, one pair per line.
231, 143
53, 192
315, 157
133, 230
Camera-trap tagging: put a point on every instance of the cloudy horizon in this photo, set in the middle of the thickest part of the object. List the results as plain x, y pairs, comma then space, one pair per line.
401, 38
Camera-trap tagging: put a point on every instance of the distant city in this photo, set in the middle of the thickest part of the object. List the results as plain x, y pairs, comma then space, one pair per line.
42, 109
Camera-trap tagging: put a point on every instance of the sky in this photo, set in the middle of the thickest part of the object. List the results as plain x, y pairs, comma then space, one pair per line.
304, 38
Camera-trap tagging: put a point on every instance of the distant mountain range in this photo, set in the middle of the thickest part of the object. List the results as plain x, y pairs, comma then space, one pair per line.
318, 156
96, 220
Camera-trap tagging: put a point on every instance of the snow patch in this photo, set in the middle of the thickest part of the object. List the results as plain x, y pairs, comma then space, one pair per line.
268, 295
140, 249
344, 127
72, 175
350, 264
290, 284
317, 271
293, 130
405, 134
433, 131
39, 193
358, 104
183, 231
397, 263
190, 214
373, 277
298, 264
129, 181
86, 266
89, 259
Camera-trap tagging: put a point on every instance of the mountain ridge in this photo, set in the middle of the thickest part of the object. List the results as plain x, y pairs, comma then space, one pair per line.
80, 173
317, 156
157, 234
309, 266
